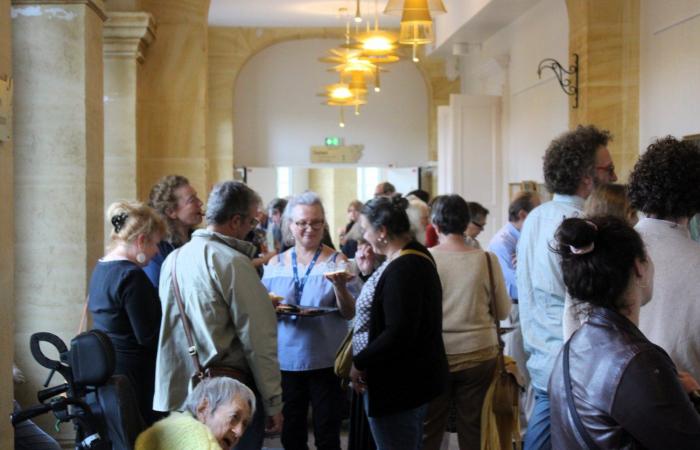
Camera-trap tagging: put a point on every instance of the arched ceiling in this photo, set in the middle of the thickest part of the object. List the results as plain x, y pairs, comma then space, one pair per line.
291, 13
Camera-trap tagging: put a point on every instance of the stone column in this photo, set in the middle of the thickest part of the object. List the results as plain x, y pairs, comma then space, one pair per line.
7, 299
172, 98
58, 168
126, 37
605, 35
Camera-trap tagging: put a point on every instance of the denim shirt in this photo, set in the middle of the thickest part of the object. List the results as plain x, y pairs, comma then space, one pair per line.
308, 343
541, 289
503, 245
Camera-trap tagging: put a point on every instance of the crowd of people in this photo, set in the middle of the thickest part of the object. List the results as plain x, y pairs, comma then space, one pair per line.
597, 304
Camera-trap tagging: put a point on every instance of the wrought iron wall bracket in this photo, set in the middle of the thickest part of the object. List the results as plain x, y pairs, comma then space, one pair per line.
570, 84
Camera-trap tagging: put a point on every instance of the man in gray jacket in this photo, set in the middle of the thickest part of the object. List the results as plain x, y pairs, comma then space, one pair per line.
232, 319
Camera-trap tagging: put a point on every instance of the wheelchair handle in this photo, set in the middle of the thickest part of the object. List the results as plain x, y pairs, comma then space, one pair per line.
34, 345
46, 394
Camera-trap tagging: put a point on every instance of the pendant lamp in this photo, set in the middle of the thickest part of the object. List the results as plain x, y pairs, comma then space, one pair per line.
416, 20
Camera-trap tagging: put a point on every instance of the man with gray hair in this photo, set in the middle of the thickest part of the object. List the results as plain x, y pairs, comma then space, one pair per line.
232, 319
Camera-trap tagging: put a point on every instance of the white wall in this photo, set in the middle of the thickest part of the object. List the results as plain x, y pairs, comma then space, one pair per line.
532, 111
278, 116
669, 82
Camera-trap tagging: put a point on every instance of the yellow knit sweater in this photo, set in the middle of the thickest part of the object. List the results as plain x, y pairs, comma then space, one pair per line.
179, 431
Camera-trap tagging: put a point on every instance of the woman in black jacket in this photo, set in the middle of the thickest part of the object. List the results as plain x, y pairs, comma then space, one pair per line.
402, 365
611, 388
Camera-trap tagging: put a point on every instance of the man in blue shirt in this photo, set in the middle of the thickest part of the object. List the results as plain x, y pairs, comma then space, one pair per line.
574, 164
503, 245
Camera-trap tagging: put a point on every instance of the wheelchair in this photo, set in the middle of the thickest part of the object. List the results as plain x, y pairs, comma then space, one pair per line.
101, 406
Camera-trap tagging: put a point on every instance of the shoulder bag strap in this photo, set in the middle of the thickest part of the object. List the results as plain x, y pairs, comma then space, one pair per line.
492, 295
192, 350
417, 253
570, 402
82, 326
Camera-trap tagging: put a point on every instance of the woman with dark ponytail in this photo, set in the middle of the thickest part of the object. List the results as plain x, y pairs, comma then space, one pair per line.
611, 387
399, 362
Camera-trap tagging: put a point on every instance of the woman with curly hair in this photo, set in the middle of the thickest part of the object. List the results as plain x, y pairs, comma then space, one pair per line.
176, 201
664, 186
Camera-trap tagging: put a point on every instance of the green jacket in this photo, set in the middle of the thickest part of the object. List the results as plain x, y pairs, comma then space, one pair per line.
232, 319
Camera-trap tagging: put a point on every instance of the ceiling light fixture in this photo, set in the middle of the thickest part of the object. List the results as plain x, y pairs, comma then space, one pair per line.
416, 21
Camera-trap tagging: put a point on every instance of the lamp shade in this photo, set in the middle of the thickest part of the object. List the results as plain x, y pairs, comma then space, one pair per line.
397, 7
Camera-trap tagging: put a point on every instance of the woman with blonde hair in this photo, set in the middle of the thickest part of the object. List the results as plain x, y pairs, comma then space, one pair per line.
611, 200
606, 200
123, 302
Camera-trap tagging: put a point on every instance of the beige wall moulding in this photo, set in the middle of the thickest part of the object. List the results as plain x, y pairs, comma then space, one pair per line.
96, 5
128, 34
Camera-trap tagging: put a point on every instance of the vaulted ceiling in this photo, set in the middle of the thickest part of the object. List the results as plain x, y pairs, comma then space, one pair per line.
291, 13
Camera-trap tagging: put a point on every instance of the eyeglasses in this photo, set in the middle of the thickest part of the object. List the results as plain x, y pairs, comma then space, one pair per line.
479, 225
314, 225
609, 169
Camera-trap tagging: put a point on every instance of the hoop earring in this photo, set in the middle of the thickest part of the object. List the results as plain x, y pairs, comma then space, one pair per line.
141, 257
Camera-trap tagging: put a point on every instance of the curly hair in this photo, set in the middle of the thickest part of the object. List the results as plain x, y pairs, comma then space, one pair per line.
571, 156
162, 198
665, 181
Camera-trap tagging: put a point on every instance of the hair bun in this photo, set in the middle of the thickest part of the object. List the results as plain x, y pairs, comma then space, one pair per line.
118, 221
577, 236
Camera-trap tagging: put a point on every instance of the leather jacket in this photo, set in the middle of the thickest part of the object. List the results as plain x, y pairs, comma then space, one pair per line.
625, 389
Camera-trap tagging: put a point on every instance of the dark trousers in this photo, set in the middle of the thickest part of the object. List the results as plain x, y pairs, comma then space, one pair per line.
360, 435
321, 388
467, 388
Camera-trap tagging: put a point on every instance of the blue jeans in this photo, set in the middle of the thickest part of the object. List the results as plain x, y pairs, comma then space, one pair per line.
28, 436
399, 431
255, 433
538, 435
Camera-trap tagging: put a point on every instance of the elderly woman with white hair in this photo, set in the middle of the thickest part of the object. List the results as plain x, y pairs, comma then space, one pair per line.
307, 345
217, 413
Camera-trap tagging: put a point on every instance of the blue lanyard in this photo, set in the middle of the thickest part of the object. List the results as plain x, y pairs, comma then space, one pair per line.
299, 284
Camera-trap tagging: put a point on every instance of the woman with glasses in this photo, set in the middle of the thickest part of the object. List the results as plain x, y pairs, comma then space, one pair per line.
307, 275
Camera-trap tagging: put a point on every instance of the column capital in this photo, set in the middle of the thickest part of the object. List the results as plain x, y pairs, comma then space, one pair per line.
97, 6
128, 34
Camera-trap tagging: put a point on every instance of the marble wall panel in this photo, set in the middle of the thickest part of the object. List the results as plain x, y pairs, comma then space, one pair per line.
58, 172
7, 299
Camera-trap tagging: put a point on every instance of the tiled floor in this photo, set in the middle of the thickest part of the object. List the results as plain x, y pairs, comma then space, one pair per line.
274, 444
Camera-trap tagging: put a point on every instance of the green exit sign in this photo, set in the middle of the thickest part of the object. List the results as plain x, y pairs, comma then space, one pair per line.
333, 141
